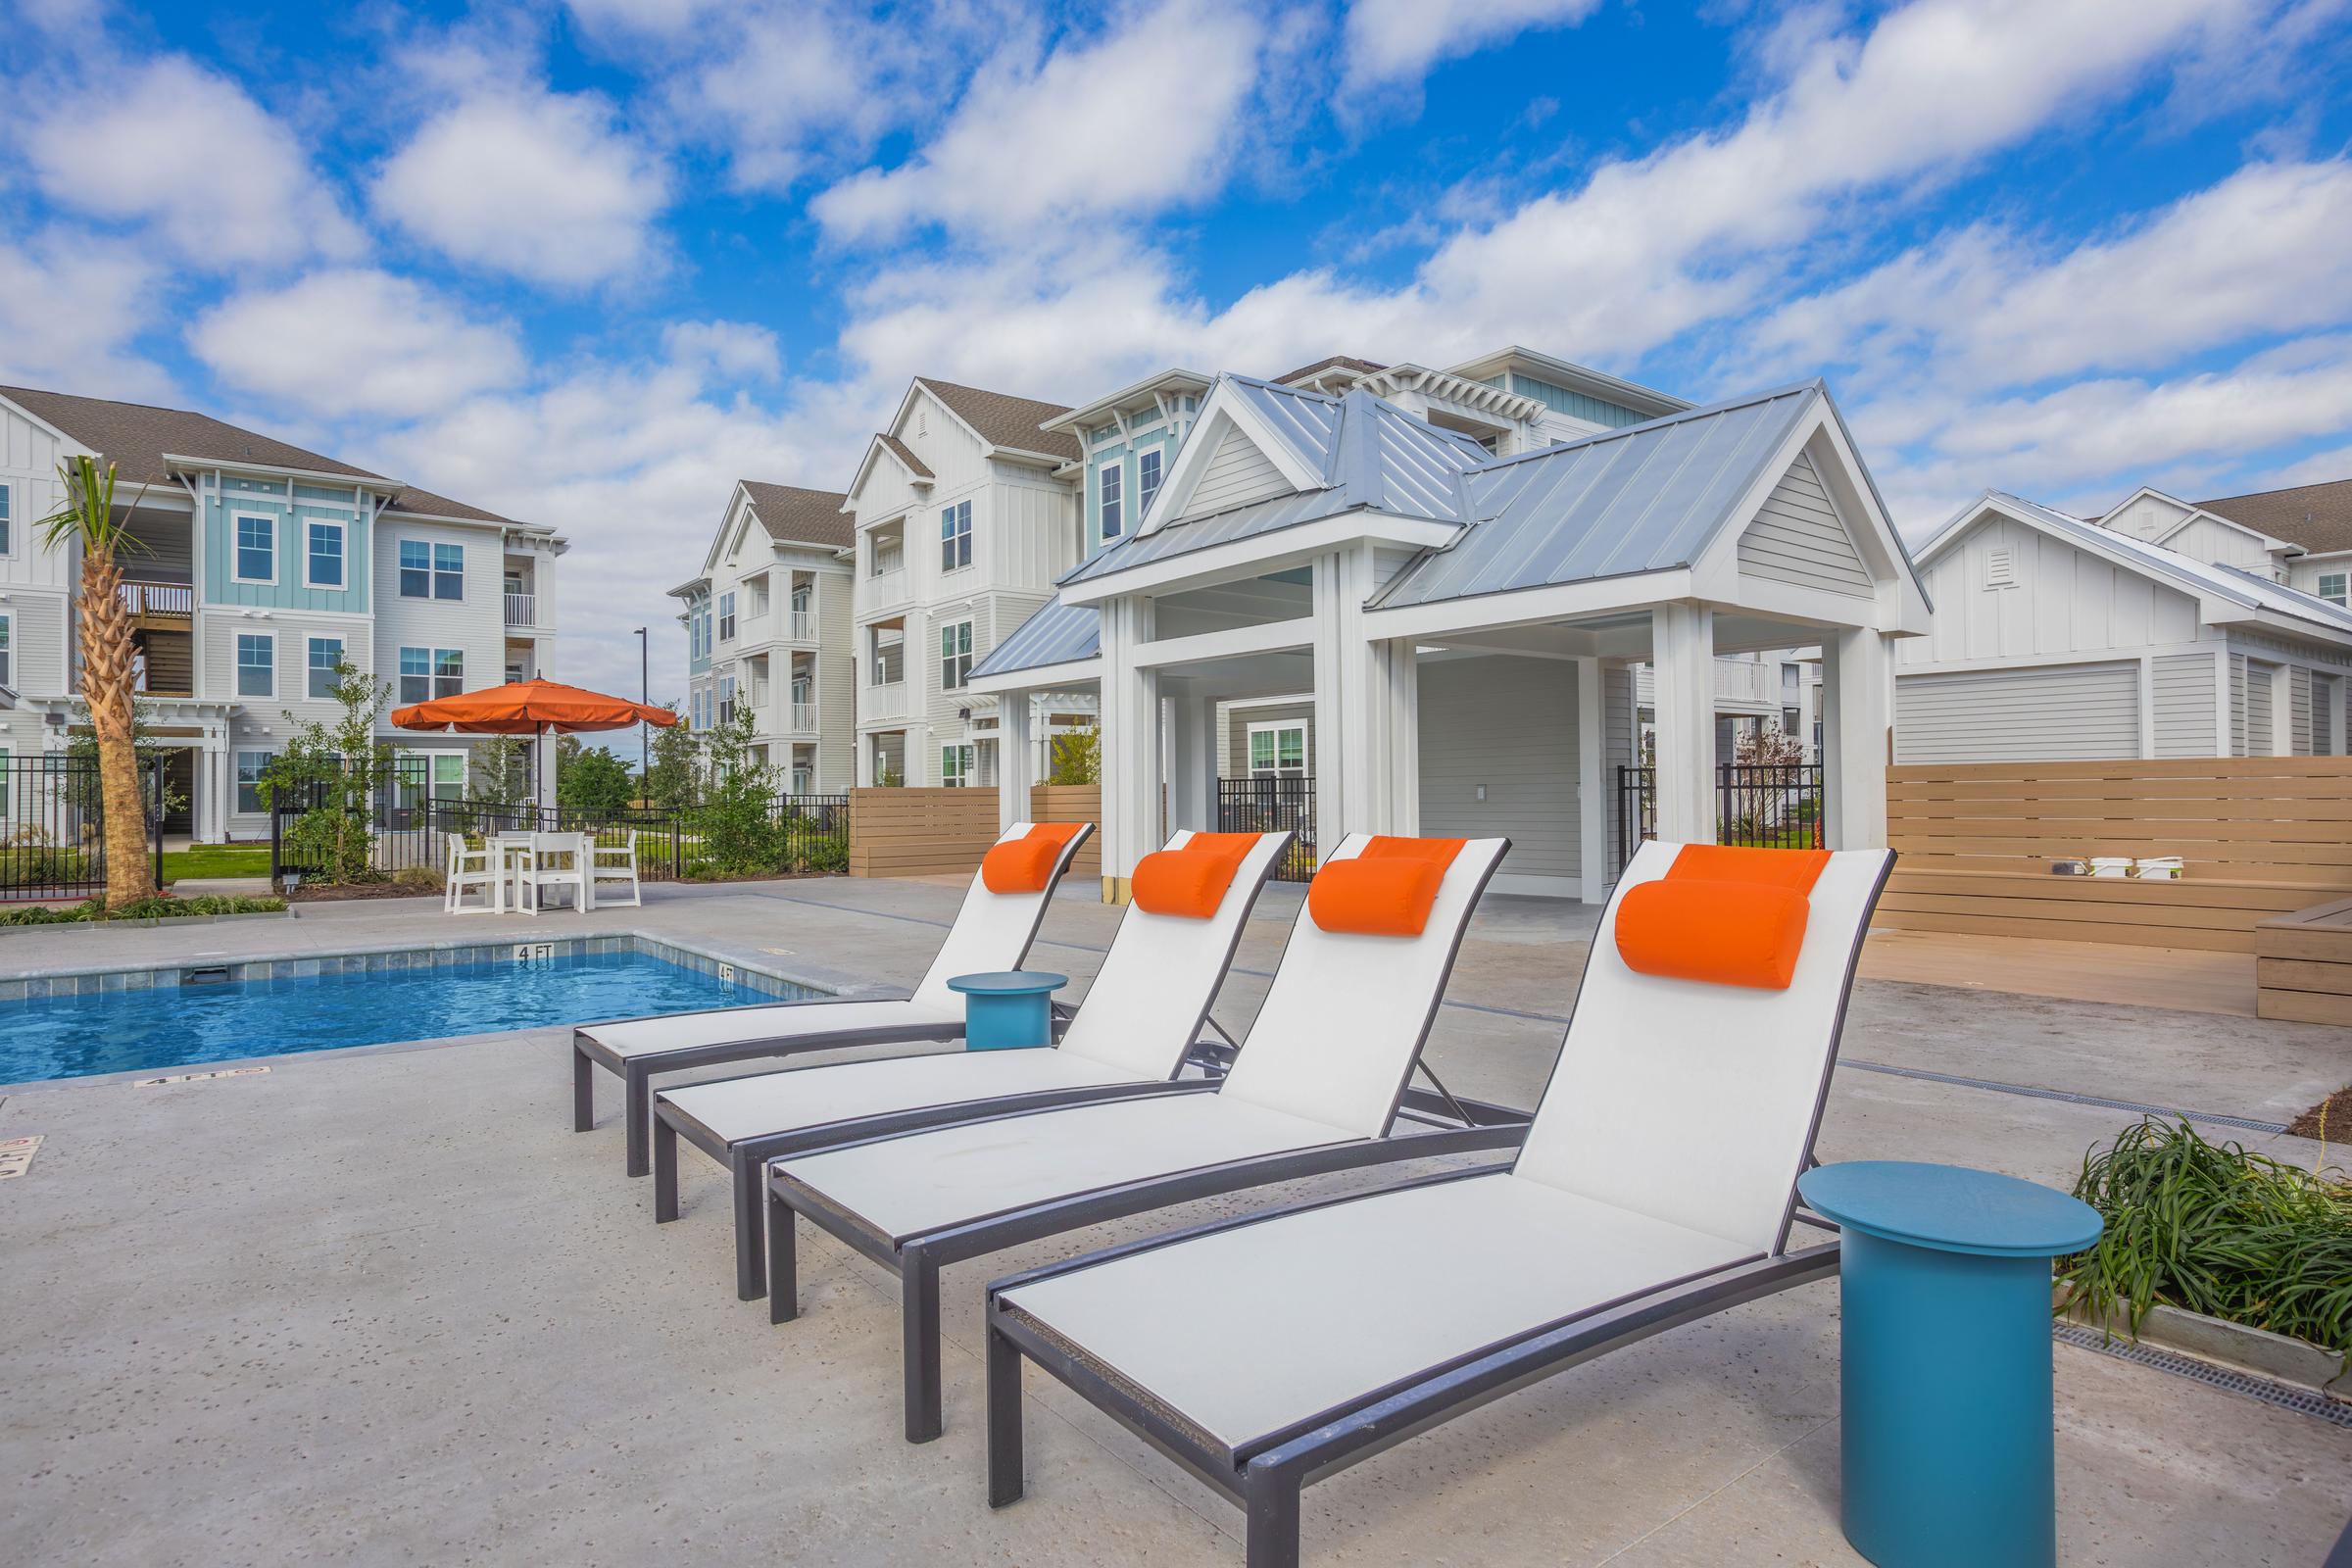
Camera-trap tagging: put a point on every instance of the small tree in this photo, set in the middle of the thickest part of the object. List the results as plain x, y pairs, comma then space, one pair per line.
673, 767
1077, 757
735, 819
333, 773
501, 772
1768, 745
592, 782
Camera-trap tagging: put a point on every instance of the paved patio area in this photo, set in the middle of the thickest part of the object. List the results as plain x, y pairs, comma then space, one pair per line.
383, 1306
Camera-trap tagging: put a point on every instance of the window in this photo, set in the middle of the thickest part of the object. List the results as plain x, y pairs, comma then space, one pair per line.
448, 571
448, 775
2331, 585
325, 653
257, 665
257, 549
8, 651
726, 617
1147, 482
415, 674
955, 536
1790, 719
1112, 476
1277, 750
1791, 676
956, 767
954, 655
416, 570
726, 698
7, 521
251, 766
322, 567
449, 671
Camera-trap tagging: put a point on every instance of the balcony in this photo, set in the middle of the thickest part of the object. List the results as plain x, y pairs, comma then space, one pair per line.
888, 700
1744, 682
801, 627
523, 610
169, 603
801, 718
886, 587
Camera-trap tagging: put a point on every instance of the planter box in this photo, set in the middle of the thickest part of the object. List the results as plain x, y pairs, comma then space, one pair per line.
2258, 1351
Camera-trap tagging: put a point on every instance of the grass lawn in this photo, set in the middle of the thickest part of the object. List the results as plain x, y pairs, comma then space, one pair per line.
216, 859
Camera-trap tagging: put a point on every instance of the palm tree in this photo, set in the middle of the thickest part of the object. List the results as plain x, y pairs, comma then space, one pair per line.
87, 519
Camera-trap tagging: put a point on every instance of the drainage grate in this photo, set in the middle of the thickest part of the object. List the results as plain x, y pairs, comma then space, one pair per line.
210, 974
2243, 1123
2286, 1396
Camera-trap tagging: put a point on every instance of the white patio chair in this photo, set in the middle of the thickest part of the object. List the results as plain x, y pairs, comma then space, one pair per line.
560, 860
1316, 1087
1656, 1186
615, 862
470, 868
1133, 1035
991, 931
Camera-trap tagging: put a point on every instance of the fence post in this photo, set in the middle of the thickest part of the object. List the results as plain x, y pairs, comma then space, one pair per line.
155, 818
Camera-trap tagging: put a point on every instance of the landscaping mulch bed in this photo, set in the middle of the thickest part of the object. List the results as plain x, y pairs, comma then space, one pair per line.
2336, 1108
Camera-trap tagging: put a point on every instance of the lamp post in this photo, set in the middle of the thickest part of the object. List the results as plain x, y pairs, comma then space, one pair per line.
645, 745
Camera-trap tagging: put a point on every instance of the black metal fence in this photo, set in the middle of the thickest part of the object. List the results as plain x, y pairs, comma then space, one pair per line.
51, 840
410, 832
1272, 804
1772, 805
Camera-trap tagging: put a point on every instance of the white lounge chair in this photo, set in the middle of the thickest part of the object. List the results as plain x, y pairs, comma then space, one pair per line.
993, 931
1131, 1036
1656, 1186
1316, 1087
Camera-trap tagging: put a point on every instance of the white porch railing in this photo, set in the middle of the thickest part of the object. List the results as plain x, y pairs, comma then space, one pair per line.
1745, 680
801, 627
888, 700
801, 719
886, 587
523, 610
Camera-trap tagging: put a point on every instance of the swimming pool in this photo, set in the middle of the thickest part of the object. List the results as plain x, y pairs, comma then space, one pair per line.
182, 1018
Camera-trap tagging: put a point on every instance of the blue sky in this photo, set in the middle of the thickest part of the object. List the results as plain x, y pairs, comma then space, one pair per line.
587, 263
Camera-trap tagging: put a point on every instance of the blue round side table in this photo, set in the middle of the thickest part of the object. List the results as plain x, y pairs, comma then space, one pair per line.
1008, 1009
1948, 1450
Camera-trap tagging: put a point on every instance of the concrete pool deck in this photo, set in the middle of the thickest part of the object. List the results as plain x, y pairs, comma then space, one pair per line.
383, 1306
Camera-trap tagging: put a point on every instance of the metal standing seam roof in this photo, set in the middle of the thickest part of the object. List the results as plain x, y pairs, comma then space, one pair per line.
1371, 454
1645, 497
1057, 634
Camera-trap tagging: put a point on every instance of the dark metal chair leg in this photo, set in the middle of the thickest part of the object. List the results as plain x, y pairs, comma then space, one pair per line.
783, 1271
666, 1172
918, 1309
638, 1103
1271, 1497
750, 1267
1005, 1479
583, 1092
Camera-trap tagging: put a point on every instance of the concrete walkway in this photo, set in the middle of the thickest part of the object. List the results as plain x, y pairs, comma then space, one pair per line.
383, 1306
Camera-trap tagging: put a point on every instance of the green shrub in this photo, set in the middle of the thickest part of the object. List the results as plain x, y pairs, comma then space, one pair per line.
41, 867
163, 907
2214, 1229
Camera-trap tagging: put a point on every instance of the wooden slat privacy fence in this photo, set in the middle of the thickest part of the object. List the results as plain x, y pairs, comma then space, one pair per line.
943, 832
1073, 803
2262, 836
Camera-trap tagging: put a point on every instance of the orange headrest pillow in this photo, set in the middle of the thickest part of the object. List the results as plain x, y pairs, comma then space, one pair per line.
1026, 864
1190, 880
1386, 890
1728, 916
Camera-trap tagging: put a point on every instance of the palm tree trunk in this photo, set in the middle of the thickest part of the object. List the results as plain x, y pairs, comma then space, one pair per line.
106, 687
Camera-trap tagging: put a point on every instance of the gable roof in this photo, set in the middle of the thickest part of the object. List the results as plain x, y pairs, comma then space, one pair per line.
1368, 453
137, 437
793, 515
1344, 362
2316, 516
1005, 420
1645, 497
905, 455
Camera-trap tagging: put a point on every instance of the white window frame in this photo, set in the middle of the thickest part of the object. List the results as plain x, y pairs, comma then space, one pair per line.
236, 654
237, 547
311, 669
342, 552
459, 654
8, 648
954, 661
433, 554
7, 518
2344, 586
401, 677
1277, 728
956, 537
432, 771
966, 771
726, 617
1149, 471
1111, 491
237, 781
401, 568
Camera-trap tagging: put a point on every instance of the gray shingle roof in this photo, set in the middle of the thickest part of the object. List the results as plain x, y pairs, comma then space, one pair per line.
1056, 635
906, 453
1005, 420
135, 436
1645, 497
794, 516
2316, 516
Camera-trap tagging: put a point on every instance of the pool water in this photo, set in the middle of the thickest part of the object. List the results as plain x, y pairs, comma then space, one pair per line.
179, 1026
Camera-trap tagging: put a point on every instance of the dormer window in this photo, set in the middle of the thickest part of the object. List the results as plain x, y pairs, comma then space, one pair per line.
1147, 482
2332, 586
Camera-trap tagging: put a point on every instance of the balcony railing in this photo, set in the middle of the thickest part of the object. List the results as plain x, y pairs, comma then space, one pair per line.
886, 587
523, 610
801, 627
169, 601
887, 701
803, 718
1743, 680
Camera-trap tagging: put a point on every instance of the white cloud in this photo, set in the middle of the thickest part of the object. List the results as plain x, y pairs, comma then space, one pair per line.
1399, 40
1137, 120
742, 349
538, 184
71, 305
354, 342
183, 149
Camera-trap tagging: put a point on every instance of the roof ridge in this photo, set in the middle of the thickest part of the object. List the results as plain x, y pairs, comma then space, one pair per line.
1680, 416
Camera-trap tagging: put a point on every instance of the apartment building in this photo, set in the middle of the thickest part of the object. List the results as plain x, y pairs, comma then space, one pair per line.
257, 568
769, 631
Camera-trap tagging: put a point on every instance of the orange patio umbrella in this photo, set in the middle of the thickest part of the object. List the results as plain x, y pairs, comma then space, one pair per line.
540, 707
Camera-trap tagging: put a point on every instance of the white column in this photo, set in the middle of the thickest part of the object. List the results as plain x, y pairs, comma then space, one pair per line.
2147, 706
1856, 695
2223, 714
1131, 770
1591, 783
1016, 759
1366, 722
1400, 739
1683, 669
1192, 760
